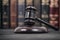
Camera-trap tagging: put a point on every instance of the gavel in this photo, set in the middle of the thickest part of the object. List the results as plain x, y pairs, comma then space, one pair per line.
30, 18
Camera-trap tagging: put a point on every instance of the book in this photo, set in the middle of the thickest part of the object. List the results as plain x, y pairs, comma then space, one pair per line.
38, 12
59, 12
13, 13
45, 11
21, 11
54, 13
0, 13
5, 14
28, 2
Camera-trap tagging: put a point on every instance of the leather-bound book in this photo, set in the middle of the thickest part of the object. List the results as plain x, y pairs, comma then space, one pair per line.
21, 11
45, 11
13, 13
54, 13
5, 14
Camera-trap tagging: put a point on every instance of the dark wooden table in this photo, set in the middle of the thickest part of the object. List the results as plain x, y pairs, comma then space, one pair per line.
8, 34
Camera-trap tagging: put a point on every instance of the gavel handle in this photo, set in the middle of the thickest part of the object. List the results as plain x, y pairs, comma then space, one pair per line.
38, 19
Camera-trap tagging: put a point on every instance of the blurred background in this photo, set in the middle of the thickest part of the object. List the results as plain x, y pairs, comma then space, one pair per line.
12, 12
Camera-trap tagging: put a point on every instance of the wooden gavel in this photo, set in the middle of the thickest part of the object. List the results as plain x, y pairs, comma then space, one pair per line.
30, 18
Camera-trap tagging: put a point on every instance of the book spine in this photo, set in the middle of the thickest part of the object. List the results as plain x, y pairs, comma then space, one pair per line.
38, 12
45, 11
59, 12
13, 13
54, 14
0, 13
21, 10
5, 15
28, 2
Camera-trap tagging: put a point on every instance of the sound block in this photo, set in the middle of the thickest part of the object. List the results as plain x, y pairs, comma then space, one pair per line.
31, 29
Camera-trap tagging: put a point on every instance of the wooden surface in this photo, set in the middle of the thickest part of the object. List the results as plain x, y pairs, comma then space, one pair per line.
8, 34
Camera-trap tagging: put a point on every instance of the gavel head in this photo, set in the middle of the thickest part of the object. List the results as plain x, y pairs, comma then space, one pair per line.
29, 15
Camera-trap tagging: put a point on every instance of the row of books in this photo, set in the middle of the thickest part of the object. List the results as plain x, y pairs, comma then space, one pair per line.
14, 10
